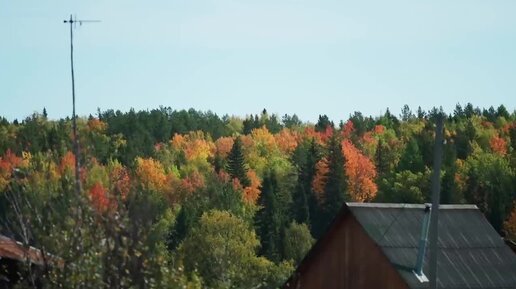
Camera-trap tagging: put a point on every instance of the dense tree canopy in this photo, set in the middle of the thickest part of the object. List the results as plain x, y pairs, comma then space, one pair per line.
188, 199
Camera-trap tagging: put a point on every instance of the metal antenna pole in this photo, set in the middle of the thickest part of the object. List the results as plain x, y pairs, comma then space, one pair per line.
436, 186
74, 116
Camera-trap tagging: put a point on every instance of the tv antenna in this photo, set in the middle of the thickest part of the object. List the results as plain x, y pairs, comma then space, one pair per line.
73, 24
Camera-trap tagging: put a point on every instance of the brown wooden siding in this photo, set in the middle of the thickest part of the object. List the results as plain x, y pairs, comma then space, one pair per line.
346, 258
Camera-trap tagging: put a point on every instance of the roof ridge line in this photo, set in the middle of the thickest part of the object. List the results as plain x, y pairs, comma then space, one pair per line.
410, 206
441, 247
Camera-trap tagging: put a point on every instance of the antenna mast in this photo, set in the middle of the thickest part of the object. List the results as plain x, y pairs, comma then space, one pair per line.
73, 24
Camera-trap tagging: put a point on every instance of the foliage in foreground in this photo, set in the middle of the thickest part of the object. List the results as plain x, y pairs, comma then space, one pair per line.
185, 199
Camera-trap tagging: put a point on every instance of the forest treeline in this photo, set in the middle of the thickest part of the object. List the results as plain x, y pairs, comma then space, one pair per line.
188, 199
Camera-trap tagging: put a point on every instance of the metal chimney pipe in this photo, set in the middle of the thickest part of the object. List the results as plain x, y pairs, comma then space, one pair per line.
436, 192
422, 242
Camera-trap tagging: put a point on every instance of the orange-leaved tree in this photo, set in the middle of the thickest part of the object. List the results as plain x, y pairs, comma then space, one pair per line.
348, 129
151, 175
197, 148
252, 192
498, 145
361, 173
94, 124
119, 178
8, 162
287, 140
99, 198
320, 178
192, 182
67, 163
224, 145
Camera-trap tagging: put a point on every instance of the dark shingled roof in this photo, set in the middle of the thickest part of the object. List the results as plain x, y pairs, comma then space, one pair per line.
471, 253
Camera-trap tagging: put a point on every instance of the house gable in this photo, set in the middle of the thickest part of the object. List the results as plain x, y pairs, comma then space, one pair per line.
346, 257
376, 245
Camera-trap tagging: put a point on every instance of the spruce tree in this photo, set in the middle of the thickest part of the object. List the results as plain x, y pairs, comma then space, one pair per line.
274, 215
188, 215
313, 156
305, 158
248, 125
335, 190
236, 163
301, 211
382, 167
268, 219
501, 111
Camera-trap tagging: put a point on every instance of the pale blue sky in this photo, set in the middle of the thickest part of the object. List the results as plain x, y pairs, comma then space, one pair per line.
237, 57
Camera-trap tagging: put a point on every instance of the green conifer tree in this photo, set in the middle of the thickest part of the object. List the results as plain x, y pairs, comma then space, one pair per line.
323, 123
268, 219
236, 163
305, 158
335, 190
411, 159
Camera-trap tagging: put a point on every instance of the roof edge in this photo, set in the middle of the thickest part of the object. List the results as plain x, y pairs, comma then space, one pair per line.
411, 206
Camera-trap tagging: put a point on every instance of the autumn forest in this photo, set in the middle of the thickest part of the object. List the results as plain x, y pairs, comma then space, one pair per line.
189, 199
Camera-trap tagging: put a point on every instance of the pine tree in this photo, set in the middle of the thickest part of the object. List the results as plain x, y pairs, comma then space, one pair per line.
458, 112
420, 113
236, 163
406, 113
291, 121
323, 123
469, 111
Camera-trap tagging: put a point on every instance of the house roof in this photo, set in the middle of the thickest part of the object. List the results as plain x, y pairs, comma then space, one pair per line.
471, 253
15, 250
